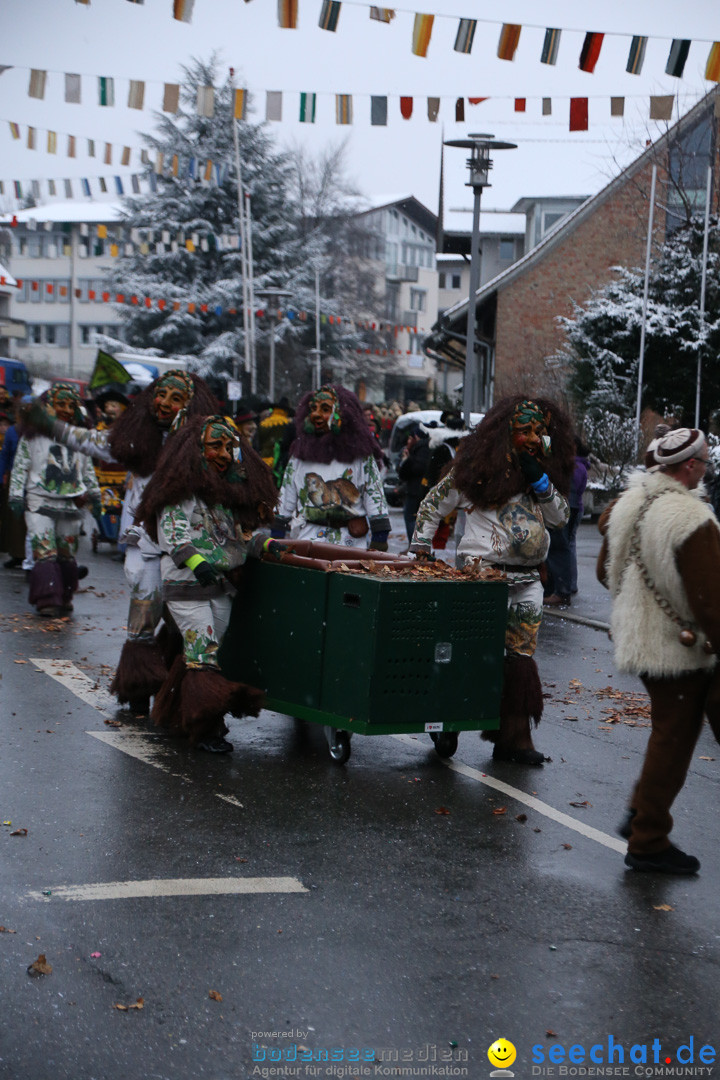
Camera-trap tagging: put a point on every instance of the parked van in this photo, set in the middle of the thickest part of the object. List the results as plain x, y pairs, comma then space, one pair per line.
14, 376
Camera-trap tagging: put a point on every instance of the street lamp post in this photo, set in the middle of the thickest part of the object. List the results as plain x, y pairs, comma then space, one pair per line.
272, 298
479, 164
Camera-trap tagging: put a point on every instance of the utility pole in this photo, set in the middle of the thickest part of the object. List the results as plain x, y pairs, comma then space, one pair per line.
477, 382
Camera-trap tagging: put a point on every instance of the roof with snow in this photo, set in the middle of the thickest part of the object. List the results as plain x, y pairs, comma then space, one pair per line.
492, 222
67, 212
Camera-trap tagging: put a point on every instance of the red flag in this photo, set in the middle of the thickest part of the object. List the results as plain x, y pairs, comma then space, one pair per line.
578, 114
406, 107
590, 51
520, 103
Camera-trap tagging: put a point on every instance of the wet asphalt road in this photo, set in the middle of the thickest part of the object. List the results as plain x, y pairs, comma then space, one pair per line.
436, 915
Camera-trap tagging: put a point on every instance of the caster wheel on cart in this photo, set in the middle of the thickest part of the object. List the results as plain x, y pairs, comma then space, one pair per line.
338, 745
446, 742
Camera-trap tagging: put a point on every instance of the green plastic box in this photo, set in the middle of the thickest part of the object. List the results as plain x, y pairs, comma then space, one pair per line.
367, 653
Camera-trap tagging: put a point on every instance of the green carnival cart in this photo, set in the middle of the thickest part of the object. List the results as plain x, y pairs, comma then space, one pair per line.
369, 652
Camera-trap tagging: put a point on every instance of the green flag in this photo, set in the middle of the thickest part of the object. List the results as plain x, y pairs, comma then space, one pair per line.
108, 370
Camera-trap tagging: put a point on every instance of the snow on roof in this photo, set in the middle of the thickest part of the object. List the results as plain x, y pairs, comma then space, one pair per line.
70, 211
492, 222
6, 278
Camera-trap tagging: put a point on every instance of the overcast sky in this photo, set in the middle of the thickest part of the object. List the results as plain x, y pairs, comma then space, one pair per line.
364, 57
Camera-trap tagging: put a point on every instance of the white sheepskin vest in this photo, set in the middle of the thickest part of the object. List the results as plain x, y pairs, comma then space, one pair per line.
646, 640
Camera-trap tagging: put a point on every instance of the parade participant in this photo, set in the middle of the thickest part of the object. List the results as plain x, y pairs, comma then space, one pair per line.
332, 480
201, 507
246, 421
275, 434
50, 484
508, 476
660, 559
135, 441
112, 402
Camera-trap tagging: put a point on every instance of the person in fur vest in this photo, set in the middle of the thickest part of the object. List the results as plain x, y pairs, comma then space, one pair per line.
136, 440
660, 559
510, 476
208, 493
51, 484
332, 480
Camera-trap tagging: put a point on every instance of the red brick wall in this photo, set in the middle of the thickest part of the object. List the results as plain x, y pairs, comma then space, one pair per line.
614, 233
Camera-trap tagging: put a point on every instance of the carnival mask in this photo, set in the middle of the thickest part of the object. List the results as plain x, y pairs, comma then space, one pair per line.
323, 412
529, 430
65, 401
219, 441
173, 393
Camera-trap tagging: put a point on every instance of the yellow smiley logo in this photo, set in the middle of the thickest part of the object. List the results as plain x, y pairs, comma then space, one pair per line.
502, 1053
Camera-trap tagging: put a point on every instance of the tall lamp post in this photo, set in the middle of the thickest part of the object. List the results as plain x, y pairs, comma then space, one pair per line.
479, 164
272, 298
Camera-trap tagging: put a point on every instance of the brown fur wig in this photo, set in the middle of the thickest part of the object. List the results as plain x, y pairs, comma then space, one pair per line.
486, 469
353, 440
140, 673
136, 439
248, 489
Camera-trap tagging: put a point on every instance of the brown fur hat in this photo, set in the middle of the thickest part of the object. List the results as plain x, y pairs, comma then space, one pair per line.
181, 473
486, 469
136, 439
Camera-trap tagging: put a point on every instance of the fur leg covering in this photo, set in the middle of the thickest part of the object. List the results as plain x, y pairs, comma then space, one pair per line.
69, 574
46, 584
166, 706
140, 673
205, 697
521, 701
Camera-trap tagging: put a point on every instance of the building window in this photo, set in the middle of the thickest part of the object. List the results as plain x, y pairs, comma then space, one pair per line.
62, 335
85, 335
456, 281
50, 334
507, 250
441, 280
417, 299
35, 294
22, 293
35, 333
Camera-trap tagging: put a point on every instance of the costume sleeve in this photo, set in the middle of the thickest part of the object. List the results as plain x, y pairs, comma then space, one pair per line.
175, 533
554, 507
90, 480
20, 471
374, 497
289, 496
84, 440
437, 504
698, 563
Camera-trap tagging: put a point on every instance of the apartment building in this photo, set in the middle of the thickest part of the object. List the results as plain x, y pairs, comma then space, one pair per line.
59, 261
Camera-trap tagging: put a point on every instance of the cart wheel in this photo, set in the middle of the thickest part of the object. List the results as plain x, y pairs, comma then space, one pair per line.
338, 745
446, 742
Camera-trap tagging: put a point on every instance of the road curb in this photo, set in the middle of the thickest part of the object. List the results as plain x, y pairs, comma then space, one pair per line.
571, 617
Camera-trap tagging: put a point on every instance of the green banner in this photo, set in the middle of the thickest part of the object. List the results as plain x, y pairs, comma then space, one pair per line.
107, 370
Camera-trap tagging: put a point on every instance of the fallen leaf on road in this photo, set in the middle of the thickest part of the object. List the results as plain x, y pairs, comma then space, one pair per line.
662, 907
550, 1033
521, 817
6, 930
40, 967
442, 810
20, 661
702, 758
500, 810
568, 847
139, 1004
114, 723
19, 832
214, 995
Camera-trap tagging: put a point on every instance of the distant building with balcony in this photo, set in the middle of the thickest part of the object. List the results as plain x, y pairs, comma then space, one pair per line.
60, 263
404, 250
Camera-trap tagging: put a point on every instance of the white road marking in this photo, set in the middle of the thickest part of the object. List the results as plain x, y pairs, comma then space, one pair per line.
127, 890
529, 800
137, 744
65, 672
141, 746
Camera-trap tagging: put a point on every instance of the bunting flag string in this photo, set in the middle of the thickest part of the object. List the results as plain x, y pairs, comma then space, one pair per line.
288, 17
